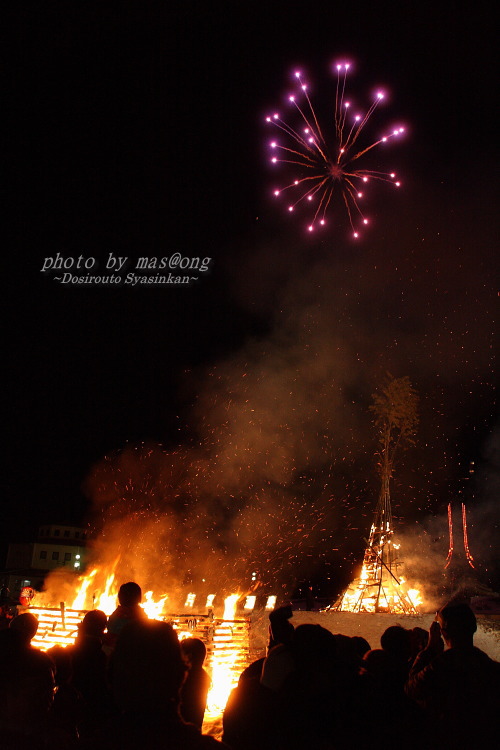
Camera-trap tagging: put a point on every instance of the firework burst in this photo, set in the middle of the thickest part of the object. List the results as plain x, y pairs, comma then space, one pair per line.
326, 162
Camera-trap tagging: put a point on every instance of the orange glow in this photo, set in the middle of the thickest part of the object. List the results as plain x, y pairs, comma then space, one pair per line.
450, 529
56, 627
210, 601
230, 606
378, 590
107, 600
228, 657
226, 638
79, 602
415, 597
190, 600
153, 609
468, 555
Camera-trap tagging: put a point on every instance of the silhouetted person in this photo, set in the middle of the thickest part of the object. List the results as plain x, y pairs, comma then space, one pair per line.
307, 714
65, 714
379, 692
280, 627
147, 672
93, 625
458, 687
294, 705
360, 645
89, 672
4, 595
310, 599
26, 625
375, 663
128, 610
197, 683
5, 609
251, 709
395, 641
418, 641
26, 689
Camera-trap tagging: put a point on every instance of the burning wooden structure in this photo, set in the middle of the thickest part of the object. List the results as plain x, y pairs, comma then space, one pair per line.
59, 627
380, 586
226, 637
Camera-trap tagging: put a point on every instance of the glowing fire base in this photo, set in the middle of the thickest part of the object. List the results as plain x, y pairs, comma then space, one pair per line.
376, 591
227, 642
380, 588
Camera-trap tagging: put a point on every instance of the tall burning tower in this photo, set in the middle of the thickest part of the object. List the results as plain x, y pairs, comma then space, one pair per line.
380, 587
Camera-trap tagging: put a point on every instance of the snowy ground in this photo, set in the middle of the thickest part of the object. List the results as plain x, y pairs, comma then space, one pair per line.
371, 627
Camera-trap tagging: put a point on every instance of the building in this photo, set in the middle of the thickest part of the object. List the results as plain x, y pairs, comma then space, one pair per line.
57, 546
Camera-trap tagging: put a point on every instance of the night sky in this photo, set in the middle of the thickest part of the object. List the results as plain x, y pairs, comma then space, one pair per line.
139, 131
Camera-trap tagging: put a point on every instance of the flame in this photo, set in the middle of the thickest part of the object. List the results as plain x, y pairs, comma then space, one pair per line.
154, 610
377, 591
227, 638
415, 597
230, 606
225, 662
56, 627
79, 602
107, 600
190, 600
210, 601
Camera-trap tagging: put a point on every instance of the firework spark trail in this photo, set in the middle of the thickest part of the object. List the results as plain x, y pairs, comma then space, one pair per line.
468, 555
450, 529
326, 167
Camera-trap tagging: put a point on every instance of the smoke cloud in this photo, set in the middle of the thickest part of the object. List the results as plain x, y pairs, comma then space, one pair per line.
279, 470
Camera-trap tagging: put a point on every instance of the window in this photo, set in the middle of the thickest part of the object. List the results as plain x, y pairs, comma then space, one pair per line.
66, 532
56, 532
77, 534
55, 555
43, 554
67, 556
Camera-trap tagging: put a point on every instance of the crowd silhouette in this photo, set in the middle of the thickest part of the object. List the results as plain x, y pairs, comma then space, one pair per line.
128, 682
